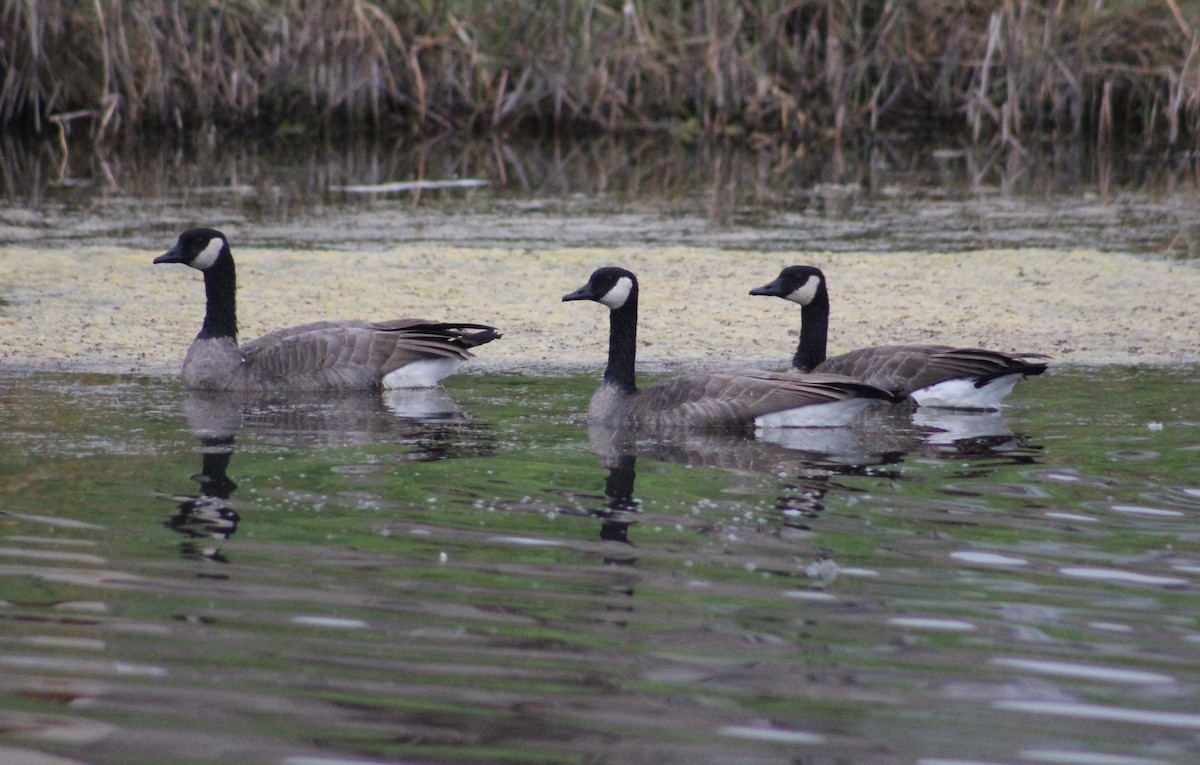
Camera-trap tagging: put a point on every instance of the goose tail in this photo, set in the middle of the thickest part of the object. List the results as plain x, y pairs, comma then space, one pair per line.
1019, 367
460, 335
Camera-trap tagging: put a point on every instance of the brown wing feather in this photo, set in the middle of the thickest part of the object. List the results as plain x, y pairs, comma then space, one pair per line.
736, 398
354, 354
905, 368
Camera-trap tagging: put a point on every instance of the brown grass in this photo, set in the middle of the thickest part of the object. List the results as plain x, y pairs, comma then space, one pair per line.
790, 70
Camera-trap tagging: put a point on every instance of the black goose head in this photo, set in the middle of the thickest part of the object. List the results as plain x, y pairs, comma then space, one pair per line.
200, 248
617, 289
799, 284
610, 286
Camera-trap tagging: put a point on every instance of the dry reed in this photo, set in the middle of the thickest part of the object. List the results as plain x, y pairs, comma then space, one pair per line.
791, 70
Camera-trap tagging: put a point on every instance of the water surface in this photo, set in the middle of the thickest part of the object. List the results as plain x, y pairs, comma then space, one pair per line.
936, 194
472, 576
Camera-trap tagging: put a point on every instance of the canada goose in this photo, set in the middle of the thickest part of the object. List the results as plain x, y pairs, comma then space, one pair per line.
326, 355
738, 398
932, 375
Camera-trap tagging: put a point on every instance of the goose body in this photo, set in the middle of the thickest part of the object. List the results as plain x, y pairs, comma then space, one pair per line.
324, 355
738, 398
929, 375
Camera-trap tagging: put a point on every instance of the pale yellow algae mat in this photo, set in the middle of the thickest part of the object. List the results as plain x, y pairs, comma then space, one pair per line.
111, 310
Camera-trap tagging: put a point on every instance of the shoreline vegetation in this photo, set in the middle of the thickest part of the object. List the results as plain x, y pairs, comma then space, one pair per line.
769, 71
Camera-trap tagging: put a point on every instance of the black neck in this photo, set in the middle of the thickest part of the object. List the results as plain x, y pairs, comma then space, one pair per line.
814, 327
622, 345
220, 287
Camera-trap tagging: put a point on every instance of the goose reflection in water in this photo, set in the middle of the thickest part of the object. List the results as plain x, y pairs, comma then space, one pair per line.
810, 462
209, 518
951, 432
889, 434
426, 423
621, 511
807, 467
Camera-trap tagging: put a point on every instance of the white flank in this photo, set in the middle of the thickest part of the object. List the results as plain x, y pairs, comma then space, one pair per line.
420, 374
833, 414
962, 393
805, 293
208, 255
616, 297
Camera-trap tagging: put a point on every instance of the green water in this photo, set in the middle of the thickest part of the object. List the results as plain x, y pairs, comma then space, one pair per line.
476, 578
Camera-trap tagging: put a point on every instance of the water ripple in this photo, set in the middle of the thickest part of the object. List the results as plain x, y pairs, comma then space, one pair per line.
988, 559
1109, 714
943, 625
1071, 757
1118, 576
82, 666
1084, 671
773, 735
1146, 511
331, 622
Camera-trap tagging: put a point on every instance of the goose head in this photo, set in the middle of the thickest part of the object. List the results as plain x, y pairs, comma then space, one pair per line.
610, 286
799, 284
200, 248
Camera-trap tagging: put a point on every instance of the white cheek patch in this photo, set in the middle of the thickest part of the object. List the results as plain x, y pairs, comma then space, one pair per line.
805, 293
208, 255
616, 297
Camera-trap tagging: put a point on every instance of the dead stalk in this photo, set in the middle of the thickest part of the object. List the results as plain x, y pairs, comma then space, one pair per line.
794, 69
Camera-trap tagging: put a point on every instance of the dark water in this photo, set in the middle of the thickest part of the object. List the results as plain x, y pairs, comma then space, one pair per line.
897, 194
470, 576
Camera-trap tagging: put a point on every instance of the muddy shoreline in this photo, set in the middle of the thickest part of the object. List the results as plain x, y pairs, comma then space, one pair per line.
109, 310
